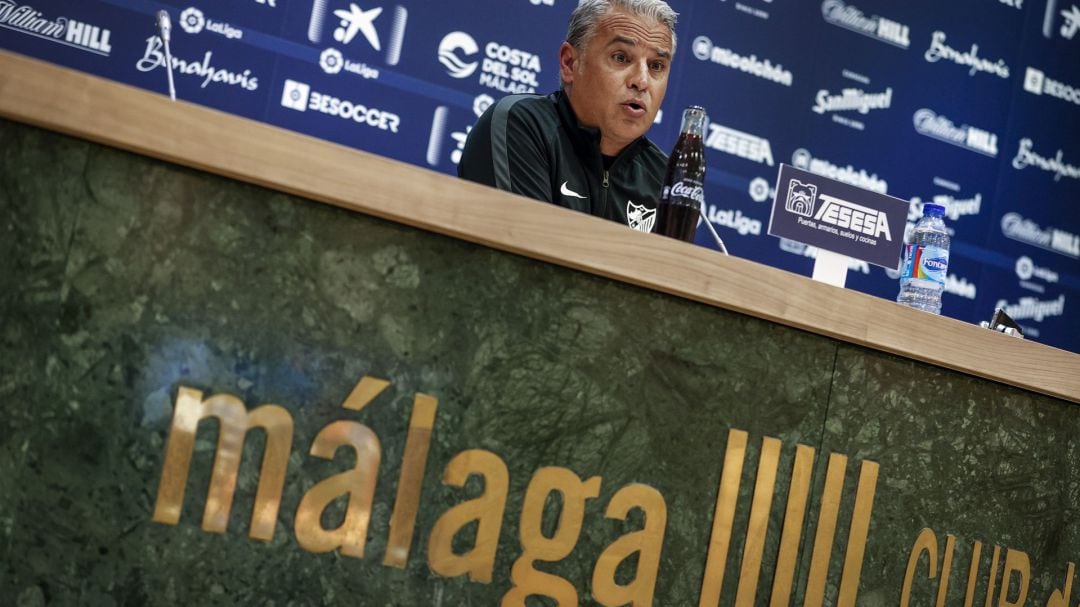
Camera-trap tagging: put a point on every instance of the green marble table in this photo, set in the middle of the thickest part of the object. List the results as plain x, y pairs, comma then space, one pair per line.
125, 280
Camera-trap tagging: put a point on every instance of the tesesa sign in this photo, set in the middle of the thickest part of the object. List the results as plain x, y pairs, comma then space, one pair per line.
838, 217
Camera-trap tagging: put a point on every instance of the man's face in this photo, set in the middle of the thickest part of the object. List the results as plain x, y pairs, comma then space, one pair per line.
617, 82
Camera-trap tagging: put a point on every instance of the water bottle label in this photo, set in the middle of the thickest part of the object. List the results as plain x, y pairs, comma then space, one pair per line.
925, 263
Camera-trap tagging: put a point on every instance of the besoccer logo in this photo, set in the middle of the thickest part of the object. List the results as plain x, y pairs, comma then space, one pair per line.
295, 95
331, 61
801, 198
192, 20
448, 49
1033, 81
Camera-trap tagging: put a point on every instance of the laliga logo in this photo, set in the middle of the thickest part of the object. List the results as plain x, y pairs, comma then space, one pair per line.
192, 20
448, 49
331, 61
760, 190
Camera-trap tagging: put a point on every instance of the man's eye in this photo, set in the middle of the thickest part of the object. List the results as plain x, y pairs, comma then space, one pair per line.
659, 66
620, 57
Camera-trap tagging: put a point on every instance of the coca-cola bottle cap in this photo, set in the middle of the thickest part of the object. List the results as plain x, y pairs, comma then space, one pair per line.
694, 120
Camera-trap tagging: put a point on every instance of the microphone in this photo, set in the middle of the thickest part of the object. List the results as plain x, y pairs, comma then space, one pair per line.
712, 230
164, 25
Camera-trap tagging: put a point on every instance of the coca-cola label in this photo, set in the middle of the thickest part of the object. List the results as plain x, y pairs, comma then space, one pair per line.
686, 189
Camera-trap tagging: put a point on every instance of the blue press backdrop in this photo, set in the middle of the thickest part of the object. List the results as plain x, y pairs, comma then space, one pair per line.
970, 103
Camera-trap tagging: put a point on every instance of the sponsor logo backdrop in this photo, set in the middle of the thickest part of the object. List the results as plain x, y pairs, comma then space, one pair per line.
974, 104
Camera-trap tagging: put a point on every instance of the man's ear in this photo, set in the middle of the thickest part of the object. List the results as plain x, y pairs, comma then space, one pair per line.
568, 63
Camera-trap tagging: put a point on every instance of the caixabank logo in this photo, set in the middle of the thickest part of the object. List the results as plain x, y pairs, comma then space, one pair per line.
440, 125
73, 33
501, 67
353, 30
1067, 15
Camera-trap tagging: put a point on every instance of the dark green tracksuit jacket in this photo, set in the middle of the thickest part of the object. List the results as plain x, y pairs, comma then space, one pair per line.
533, 145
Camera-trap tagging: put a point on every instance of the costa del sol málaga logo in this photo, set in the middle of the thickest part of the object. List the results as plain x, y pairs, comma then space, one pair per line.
451, 44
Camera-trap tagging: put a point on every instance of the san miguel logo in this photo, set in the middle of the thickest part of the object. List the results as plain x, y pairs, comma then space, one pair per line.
637, 552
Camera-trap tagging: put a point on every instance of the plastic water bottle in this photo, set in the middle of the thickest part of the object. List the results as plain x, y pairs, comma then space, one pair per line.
926, 260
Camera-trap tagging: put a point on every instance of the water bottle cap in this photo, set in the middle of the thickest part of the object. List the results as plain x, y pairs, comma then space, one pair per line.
934, 210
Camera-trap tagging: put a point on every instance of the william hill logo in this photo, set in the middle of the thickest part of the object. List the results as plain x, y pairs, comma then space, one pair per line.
69, 32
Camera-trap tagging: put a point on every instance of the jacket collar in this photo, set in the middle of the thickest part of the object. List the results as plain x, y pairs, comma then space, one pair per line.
585, 137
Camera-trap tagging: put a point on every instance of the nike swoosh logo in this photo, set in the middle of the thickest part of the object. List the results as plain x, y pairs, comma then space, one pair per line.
568, 192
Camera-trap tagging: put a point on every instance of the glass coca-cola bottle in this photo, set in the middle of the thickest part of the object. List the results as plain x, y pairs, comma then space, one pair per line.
683, 193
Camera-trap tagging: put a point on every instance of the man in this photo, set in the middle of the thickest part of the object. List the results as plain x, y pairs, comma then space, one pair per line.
584, 147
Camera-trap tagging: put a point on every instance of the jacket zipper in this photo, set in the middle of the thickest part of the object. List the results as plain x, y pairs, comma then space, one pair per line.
604, 212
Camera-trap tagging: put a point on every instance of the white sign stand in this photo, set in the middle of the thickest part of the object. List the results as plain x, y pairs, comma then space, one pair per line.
831, 268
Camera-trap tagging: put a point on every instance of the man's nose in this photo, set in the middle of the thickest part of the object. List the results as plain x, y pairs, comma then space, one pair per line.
638, 78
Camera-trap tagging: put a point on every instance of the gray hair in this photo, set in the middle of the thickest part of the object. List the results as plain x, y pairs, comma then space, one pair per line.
585, 17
